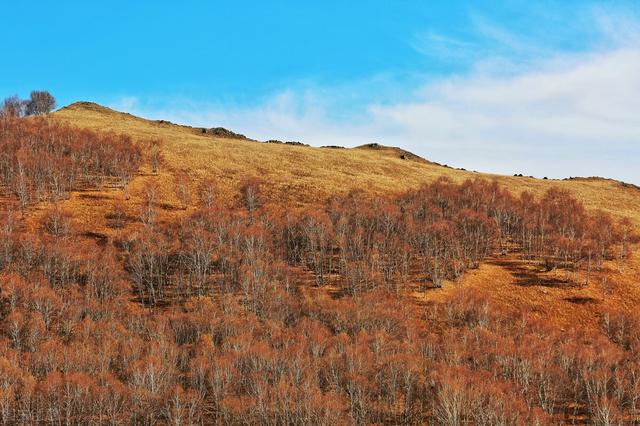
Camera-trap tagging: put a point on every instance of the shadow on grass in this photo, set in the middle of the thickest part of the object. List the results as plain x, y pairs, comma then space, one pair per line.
528, 275
581, 300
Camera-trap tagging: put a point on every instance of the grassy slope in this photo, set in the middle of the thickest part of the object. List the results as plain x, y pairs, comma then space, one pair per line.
299, 175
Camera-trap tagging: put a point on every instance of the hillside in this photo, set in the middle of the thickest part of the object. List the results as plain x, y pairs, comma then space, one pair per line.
299, 174
155, 273
296, 176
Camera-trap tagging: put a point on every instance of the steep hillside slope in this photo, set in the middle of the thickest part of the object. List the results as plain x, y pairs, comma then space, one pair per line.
157, 272
295, 176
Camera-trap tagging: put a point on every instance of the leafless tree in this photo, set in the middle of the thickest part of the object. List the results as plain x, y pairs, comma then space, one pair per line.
41, 102
207, 192
155, 154
12, 107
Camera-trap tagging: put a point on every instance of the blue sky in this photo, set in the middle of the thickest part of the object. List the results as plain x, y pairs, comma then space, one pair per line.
543, 88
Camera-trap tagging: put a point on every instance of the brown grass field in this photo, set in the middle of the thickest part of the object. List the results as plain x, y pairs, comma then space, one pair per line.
295, 176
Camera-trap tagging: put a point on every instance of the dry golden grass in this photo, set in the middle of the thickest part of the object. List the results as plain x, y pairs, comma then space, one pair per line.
558, 297
299, 175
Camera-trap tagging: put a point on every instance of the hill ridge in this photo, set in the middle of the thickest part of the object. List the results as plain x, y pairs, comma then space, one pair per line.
91, 106
299, 174
223, 132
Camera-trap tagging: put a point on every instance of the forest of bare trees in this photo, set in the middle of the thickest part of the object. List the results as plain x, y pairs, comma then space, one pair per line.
218, 317
360, 244
43, 161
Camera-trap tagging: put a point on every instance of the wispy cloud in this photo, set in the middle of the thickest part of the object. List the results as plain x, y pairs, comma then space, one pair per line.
445, 47
556, 121
552, 113
619, 28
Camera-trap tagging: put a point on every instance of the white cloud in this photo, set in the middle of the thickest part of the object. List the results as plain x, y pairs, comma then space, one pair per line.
564, 115
578, 118
127, 103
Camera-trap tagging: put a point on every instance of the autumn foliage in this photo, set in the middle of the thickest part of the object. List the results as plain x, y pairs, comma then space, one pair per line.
43, 161
264, 315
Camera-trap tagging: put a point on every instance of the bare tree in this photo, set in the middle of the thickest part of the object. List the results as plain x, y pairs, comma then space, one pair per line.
41, 102
154, 154
12, 107
251, 193
207, 192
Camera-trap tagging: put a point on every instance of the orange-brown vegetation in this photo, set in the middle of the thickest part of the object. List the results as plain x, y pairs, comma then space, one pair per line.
143, 283
42, 161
